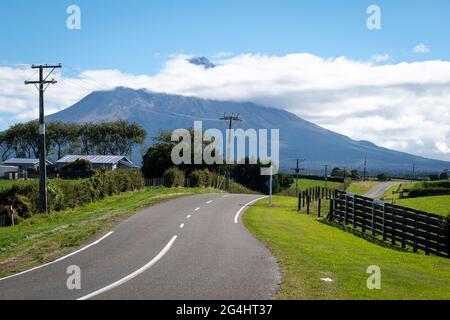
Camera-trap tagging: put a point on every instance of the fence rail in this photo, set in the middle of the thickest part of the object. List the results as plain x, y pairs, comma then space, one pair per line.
403, 227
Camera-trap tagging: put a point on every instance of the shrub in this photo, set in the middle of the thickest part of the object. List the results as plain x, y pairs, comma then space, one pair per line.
22, 199
79, 169
174, 177
200, 178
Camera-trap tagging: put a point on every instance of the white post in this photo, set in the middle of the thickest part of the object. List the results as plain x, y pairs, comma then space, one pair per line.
271, 184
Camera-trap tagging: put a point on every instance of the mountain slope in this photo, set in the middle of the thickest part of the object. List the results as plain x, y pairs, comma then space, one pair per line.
298, 138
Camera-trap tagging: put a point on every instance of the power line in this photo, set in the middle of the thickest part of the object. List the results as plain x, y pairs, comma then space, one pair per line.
297, 171
42, 148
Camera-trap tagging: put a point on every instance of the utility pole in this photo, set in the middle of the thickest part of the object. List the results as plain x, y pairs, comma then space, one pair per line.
42, 147
297, 172
365, 169
231, 120
326, 176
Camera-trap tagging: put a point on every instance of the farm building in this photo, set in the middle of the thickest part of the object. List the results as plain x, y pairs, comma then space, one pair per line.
9, 172
107, 162
24, 164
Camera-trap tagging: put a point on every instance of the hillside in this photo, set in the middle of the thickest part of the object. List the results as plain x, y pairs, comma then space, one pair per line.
298, 138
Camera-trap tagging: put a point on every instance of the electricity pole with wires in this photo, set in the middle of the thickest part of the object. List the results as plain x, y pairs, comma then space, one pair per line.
231, 120
365, 169
326, 175
297, 171
42, 147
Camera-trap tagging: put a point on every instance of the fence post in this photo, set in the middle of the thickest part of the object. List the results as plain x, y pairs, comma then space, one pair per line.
300, 201
373, 219
308, 200
404, 230
331, 213
319, 206
345, 210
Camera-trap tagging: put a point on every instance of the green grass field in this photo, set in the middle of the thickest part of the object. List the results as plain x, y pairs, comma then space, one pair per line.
390, 196
438, 204
357, 187
361, 187
308, 251
43, 238
306, 184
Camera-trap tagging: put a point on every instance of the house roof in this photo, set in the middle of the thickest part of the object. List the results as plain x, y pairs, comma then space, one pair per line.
95, 159
14, 161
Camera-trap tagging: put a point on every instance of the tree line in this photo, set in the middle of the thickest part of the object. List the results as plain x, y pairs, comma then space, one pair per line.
105, 138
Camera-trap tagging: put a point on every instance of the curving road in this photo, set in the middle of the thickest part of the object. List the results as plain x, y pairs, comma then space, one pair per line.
381, 188
189, 248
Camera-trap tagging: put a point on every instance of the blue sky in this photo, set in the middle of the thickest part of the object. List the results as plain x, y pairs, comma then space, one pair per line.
138, 36
285, 53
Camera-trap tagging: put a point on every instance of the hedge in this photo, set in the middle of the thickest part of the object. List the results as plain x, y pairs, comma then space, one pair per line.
426, 189
22, 199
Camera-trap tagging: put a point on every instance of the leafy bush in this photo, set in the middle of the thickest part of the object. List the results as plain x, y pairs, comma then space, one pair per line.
22, 199
79, 169
200, 178
174, 177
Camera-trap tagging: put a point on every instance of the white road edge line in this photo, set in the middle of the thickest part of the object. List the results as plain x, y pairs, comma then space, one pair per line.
60, 259
182, 226
188, 217
226, 196
245, 207
210, 201
197, 209
134, 274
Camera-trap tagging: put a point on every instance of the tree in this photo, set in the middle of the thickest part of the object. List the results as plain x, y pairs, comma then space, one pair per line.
125, 136
339, 173
444, 175
157, 160
354, 174
61, 135
79, 169
6, 146
382, 177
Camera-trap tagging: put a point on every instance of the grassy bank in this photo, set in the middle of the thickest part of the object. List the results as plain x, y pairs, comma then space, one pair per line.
43, 238
308, 250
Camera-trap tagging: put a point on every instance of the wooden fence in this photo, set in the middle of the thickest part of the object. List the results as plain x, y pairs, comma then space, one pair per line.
311, 196
403, 227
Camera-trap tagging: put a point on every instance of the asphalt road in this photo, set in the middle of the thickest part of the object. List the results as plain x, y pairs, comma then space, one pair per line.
188, 248
381, 188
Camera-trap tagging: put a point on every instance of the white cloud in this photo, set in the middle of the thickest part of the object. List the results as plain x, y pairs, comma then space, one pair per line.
421, 48
403, 106
380, 58
443, 147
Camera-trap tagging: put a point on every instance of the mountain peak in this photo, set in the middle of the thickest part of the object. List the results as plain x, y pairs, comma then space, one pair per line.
202, 61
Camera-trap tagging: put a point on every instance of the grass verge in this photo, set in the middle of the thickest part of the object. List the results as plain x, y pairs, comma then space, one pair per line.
44, 238
308, 251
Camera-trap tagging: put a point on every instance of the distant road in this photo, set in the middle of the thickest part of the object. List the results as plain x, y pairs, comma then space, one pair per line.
188, 248
381, 188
